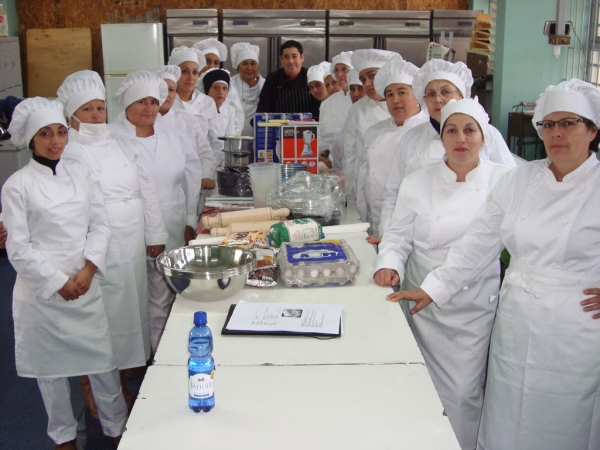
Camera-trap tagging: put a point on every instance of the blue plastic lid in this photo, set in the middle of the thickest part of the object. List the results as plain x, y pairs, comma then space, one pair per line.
200, 318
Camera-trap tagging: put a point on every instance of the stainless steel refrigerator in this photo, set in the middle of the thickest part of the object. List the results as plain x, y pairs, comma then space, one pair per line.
188, 26
270, 28
405, 32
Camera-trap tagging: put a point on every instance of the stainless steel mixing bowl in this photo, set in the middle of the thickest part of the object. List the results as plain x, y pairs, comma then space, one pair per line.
206, 272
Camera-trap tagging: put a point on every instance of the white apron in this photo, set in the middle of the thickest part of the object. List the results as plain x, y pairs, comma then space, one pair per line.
54, 337
539, 387
167, 169
124, 287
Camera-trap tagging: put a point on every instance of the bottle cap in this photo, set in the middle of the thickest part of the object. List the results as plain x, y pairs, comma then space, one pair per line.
200, 318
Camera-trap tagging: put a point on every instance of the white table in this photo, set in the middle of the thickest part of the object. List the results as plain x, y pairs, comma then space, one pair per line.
293, 408
367, 389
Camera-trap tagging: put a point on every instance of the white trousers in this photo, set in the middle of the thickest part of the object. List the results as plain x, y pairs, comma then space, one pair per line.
106, 387
160, 299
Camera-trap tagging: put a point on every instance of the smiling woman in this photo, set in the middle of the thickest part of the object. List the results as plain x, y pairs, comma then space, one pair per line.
175, 168
434, 209
61, 327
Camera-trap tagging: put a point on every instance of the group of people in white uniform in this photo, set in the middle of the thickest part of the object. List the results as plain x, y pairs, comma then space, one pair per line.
443, 197
515, 368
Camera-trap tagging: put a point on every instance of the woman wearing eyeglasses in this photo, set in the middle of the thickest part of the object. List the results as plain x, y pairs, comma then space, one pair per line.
543, 385
435, 84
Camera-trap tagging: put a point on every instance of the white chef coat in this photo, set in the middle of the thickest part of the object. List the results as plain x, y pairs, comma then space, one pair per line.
381, 141
333, 113
197, 131
421, 147
233, 101
248, 97
132, 205
543, 386
205, 110
433, 211
55, 223
362, 115
177, 173
225, 126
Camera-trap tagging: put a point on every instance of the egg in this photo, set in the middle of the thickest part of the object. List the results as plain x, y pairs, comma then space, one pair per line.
314, 273
326, 272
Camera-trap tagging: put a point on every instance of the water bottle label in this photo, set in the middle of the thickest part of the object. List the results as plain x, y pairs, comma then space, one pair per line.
201, 385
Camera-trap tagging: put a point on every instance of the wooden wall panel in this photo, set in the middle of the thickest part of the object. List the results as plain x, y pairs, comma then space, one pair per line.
92, 13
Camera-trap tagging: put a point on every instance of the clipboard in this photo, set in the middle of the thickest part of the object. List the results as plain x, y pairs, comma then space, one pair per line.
226, 332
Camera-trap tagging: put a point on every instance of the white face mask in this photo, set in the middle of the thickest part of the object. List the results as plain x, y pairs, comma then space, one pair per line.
92, 132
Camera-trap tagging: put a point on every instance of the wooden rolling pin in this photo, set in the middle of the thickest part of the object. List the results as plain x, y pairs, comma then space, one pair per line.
244, 226
249, 215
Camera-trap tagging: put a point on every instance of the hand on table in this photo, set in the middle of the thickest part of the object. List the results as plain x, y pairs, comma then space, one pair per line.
593, 303
386, 277
189, 234
70, 291
3, 235
373, 239
154, 250
416, 295
207, 183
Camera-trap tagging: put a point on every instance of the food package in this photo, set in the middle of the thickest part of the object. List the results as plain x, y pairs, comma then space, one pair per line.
245, 239
297, 230
265, 274
327, 262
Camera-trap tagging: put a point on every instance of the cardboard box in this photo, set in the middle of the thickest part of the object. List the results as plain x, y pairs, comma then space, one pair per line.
300, 144
478, 63
266, 134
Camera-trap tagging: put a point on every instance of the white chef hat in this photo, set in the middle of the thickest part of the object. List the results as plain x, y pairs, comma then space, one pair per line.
168, 72
353, 78
32, 114
394, 72
470, 107
182, 54
80, 88
141, 84
318, 72
342, 58
211, 45
241, 51
372, 58
437, 69
574, 96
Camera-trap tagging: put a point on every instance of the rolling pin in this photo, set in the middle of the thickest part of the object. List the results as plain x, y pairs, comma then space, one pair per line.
243, 226
249, 215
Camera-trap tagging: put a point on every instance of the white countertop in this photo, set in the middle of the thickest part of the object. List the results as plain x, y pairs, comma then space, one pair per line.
368, 389
293, 408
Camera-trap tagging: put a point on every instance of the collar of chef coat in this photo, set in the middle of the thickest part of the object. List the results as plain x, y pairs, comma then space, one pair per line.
448, 174
417, 119
579, 174
45, 169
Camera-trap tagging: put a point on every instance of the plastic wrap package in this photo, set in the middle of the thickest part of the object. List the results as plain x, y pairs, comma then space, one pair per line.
310, 195
265, 274
327, 262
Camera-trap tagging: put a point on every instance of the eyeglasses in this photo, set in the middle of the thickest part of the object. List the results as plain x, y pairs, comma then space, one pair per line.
568, 123
445, 94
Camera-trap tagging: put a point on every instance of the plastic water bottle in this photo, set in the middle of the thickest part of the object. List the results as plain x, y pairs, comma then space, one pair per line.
201, 366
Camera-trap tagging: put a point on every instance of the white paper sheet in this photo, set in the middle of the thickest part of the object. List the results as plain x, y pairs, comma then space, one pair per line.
295, 318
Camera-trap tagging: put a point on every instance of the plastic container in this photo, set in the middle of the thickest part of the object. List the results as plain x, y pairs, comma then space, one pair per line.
264, 177
201, 366
3, 22
323, 263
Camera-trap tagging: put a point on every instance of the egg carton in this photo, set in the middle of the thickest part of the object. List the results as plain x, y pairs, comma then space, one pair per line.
322, 263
